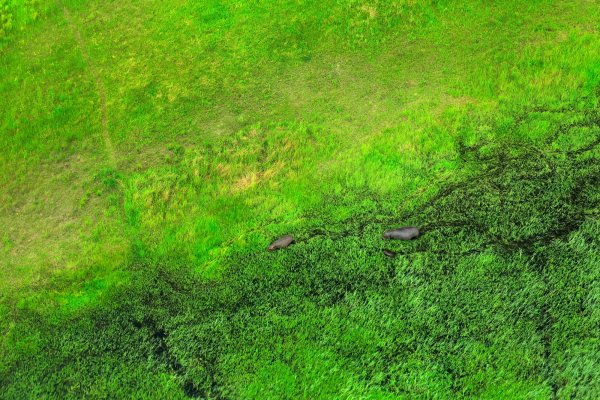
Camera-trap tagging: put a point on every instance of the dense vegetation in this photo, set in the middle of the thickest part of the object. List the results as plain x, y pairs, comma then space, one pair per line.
150, 152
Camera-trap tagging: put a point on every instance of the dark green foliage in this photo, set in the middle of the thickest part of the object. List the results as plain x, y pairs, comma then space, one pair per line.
498, 298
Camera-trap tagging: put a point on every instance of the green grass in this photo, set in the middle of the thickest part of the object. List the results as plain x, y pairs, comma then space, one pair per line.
150, 152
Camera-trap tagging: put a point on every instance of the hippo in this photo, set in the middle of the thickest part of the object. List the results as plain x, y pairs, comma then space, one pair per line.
281, 243
405, 233
389, 253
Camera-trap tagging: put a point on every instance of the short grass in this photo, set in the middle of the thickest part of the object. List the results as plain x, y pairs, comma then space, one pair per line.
150, 152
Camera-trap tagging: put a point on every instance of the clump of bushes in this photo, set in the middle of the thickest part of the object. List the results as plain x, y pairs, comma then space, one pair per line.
6, 18
16, 15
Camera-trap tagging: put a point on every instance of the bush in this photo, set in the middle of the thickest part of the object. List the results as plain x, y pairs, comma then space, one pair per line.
16, 14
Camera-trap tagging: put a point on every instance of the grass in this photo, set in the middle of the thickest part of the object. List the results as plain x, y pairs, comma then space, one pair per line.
150, 152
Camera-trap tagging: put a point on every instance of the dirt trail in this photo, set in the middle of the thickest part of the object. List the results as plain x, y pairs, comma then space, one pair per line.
99, 87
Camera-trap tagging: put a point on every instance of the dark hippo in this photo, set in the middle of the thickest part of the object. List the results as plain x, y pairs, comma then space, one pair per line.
389, 253
406, 233
281, 243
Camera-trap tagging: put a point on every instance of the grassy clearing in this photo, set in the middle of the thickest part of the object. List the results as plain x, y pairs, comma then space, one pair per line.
332, 121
